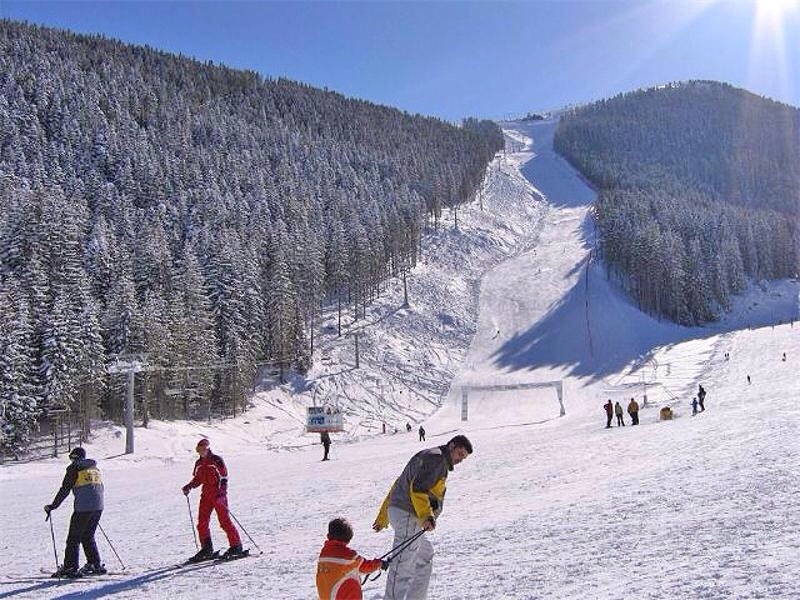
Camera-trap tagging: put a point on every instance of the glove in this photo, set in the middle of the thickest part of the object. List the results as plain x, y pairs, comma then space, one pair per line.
429, 524
186, 489
47, 509
385, 564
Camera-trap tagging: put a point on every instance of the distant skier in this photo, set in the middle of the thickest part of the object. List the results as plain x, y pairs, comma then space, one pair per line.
413, 504
633, 411
408, 427
421, 433
618, 411
748, 380
694, 406
339, 567
784, 357
210, 472
609, 413
325, 440
84, 480
701, 396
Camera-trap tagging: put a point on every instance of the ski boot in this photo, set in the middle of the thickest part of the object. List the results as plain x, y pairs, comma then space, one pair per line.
234, 551
92, 569
205, 553
65, 572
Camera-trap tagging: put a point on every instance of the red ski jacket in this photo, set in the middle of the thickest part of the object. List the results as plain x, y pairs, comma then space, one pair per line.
210, 472
338, 571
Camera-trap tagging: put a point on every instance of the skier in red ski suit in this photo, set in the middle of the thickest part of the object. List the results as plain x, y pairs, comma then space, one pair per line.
210, 472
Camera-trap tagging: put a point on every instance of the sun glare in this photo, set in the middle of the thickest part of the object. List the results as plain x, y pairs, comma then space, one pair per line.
769, 56
775, 9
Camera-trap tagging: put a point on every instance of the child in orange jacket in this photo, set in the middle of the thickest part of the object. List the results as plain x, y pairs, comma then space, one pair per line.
339, 568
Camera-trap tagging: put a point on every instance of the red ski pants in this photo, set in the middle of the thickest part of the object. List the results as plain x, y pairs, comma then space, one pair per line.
220, 504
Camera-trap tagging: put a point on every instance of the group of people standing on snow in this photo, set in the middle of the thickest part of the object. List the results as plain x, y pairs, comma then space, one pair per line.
615, 409
412, 507
699, 400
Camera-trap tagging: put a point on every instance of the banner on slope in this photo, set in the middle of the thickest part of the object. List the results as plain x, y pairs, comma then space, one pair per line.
324, 418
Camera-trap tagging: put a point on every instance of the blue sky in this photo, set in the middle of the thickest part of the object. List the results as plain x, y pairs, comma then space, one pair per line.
458, 59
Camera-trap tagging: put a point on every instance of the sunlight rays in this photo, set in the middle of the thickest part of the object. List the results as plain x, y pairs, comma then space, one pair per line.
666, 21
769, 63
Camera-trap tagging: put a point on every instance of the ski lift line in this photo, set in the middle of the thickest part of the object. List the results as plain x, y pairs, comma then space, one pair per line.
140, 368
412, 390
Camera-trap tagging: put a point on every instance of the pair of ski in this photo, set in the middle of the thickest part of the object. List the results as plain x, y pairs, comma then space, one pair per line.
216, 557
48, 576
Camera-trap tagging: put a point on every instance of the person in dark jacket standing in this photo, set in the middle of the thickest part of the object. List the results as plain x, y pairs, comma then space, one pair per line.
633, 411
325, 440
421, 433
210, 472
84, 481
701, 396
609, 413
413, 504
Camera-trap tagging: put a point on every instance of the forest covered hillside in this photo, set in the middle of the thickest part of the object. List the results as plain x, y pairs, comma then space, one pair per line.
699, 189
195, 218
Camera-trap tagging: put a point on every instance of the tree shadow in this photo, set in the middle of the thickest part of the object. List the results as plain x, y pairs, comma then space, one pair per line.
595, 331
549, 173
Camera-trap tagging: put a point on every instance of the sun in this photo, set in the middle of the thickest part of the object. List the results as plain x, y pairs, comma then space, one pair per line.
775, 9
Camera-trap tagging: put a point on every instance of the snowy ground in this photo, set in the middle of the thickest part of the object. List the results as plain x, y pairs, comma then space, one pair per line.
703, 506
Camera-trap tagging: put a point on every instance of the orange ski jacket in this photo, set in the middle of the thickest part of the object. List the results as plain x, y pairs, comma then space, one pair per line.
338, 571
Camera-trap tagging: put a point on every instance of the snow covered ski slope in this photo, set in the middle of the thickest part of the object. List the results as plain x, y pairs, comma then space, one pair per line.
548, 506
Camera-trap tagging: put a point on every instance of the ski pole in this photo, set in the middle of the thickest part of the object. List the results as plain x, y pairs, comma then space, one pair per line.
191, 523
230, 512
398, 550
53, 536
112, 546
403, 545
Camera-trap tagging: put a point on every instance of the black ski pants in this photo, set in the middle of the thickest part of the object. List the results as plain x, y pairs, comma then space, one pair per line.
82, 526
327, 448
609, 416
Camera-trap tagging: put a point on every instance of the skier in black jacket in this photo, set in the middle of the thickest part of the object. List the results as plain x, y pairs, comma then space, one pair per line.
325, 440
701, 397
83, 479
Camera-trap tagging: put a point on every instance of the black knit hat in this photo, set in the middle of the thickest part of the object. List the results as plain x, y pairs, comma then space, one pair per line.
77, 453
340, 529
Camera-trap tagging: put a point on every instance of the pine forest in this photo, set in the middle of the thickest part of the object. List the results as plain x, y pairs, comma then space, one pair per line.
195, 217
698, 190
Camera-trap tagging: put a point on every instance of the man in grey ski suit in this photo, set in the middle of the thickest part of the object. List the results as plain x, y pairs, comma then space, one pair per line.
413, 504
